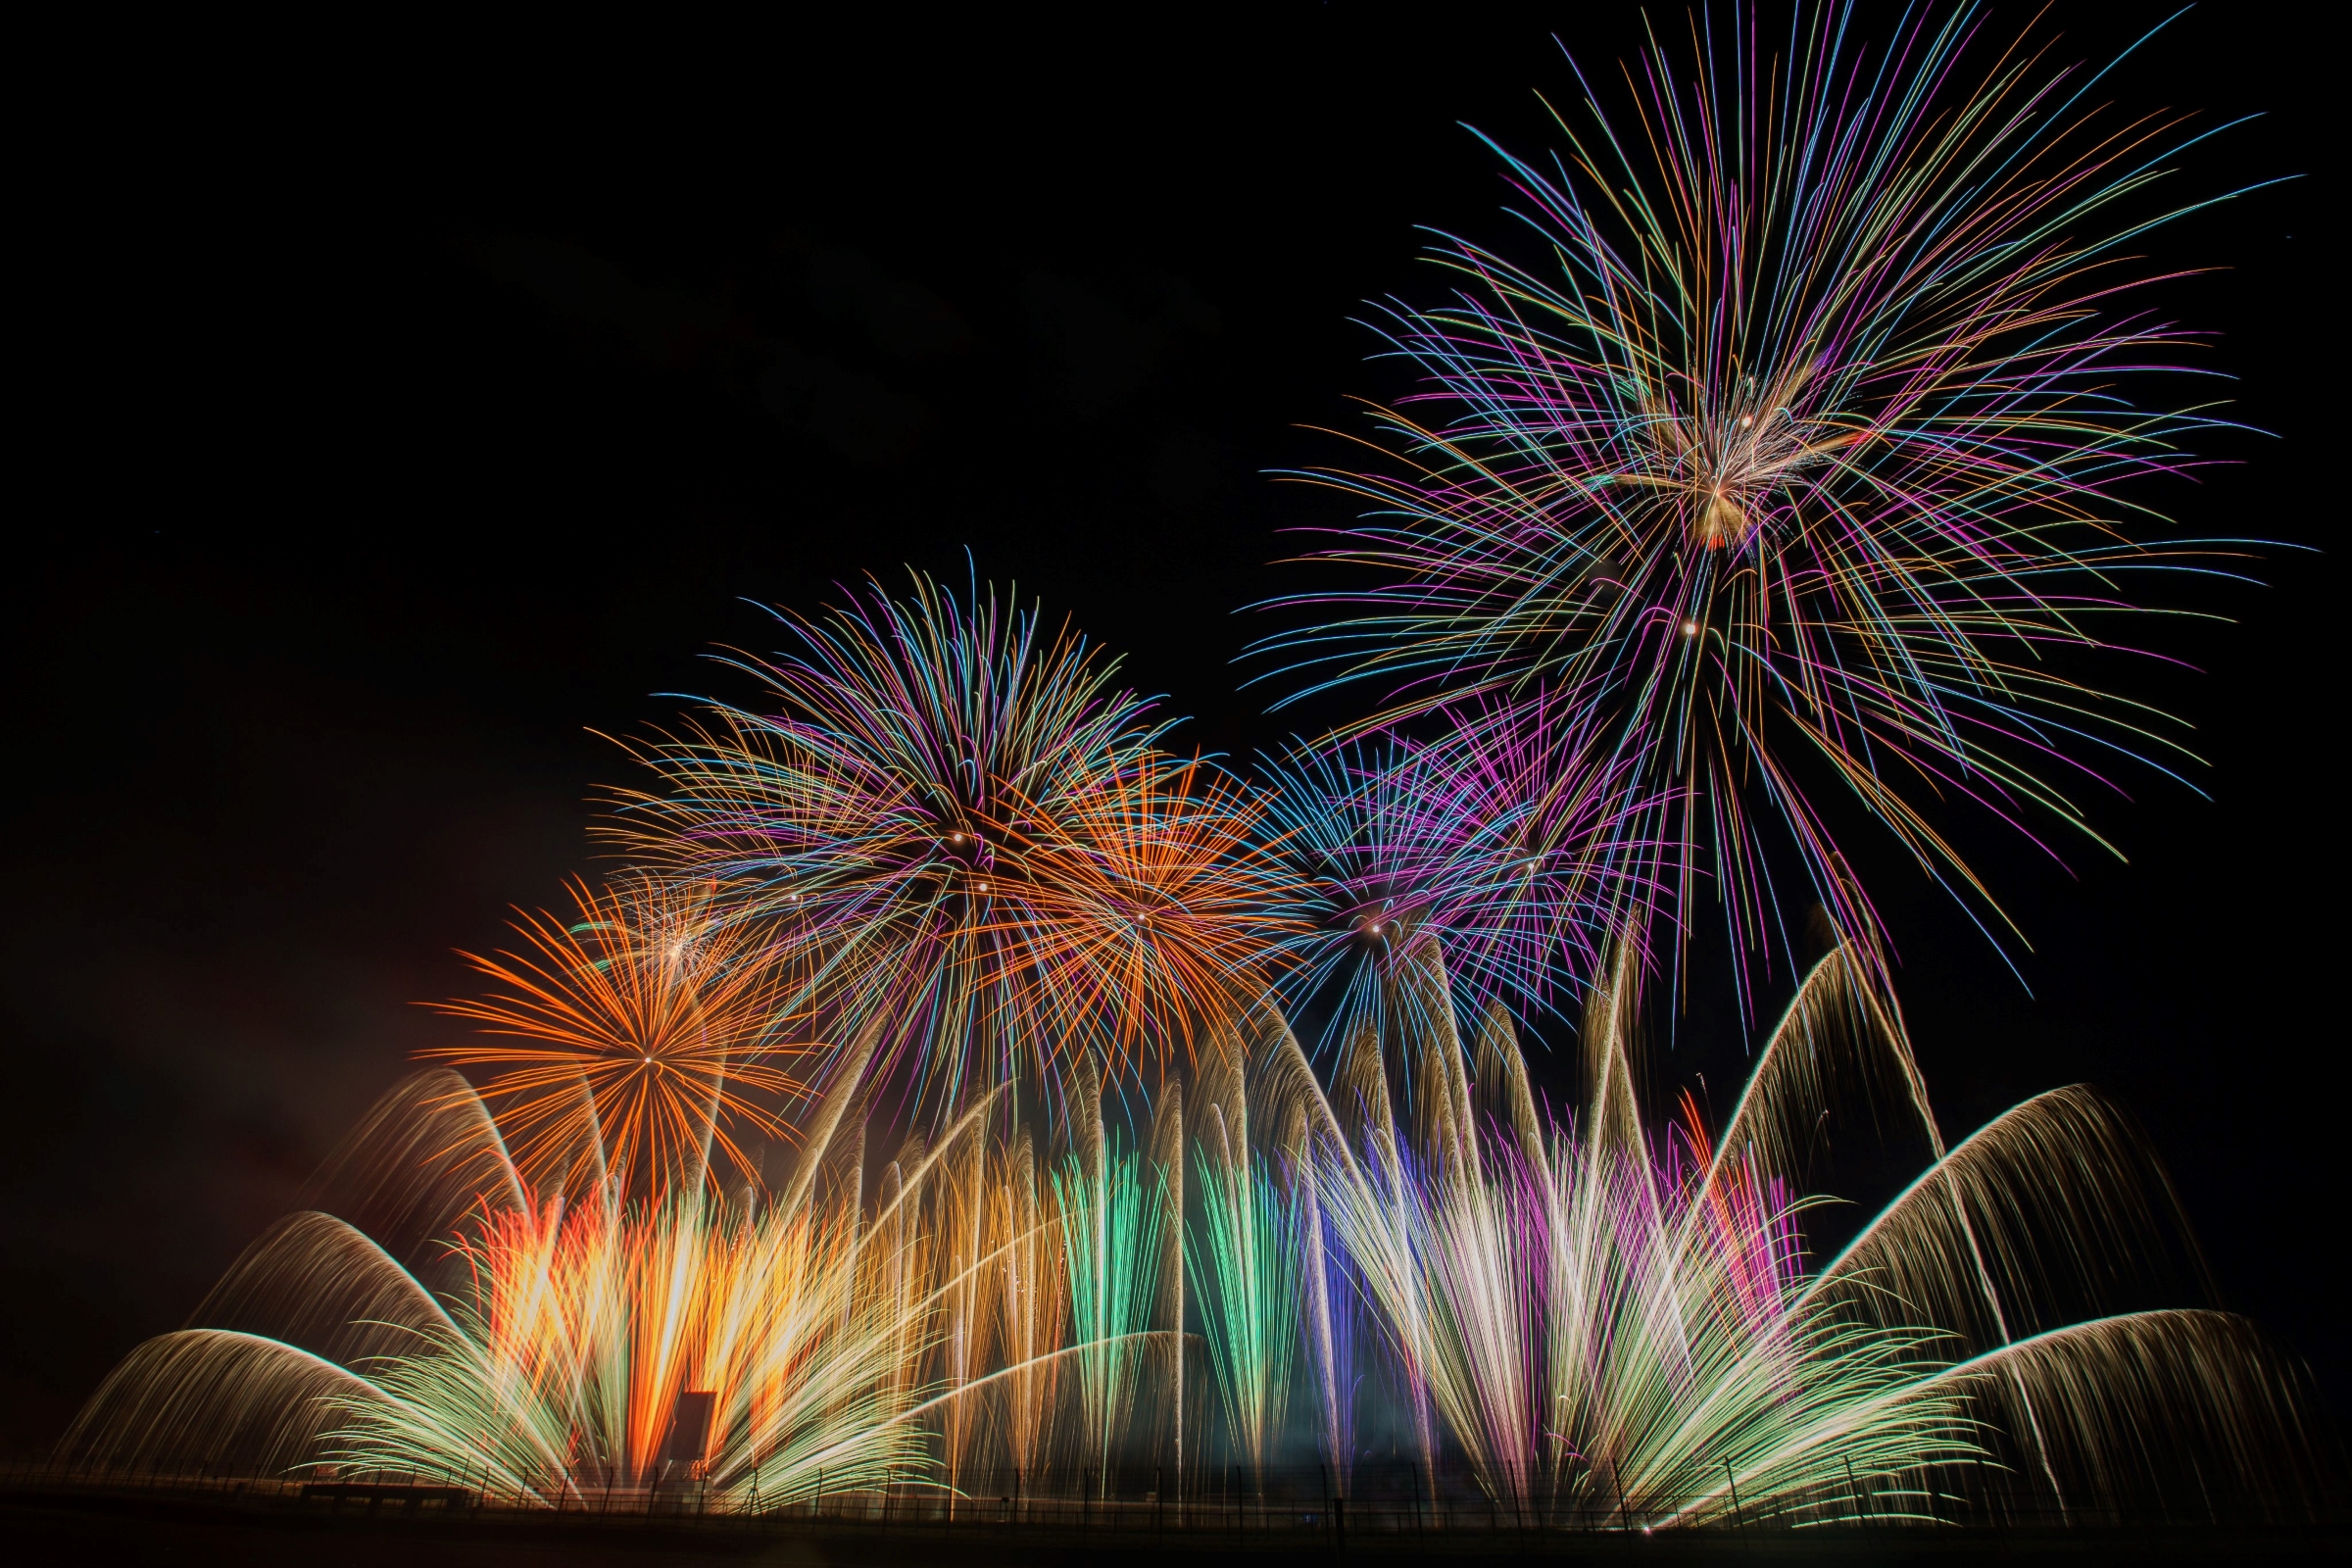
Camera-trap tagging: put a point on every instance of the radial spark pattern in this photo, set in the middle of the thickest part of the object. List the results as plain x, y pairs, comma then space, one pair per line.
1807, 468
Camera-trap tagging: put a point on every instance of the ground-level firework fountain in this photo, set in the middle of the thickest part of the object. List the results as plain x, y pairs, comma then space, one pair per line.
1410, 1275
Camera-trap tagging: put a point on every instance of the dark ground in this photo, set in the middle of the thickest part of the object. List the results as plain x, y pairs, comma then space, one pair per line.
401, 406
50, 1535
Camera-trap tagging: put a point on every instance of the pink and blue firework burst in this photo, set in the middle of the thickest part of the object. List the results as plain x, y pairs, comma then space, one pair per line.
1502, 859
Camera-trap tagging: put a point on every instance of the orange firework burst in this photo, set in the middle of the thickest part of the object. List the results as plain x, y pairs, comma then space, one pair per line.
1148, 911
634, 1037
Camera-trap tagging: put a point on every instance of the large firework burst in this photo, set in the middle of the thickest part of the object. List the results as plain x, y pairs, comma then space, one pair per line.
968, 842
1804, 468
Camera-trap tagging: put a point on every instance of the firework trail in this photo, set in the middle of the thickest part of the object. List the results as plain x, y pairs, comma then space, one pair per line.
1600, 1308
1599, 1320
1807, 469
1244, 1261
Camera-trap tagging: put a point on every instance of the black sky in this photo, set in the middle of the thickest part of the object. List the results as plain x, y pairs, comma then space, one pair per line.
404, 408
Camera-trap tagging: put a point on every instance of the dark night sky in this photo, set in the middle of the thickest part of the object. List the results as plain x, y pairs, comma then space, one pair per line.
397, 419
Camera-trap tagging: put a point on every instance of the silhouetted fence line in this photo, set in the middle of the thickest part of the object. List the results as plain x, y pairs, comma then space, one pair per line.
1376, 1504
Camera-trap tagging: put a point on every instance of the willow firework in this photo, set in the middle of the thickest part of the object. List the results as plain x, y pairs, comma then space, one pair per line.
1563, 1311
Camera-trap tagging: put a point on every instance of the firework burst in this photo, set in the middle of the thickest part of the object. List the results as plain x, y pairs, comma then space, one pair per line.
968, 841
643, 1037
1508, 849
1807, 470
1149, 912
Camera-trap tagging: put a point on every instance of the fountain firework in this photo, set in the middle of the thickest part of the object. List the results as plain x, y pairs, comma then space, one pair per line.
1568, 1311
